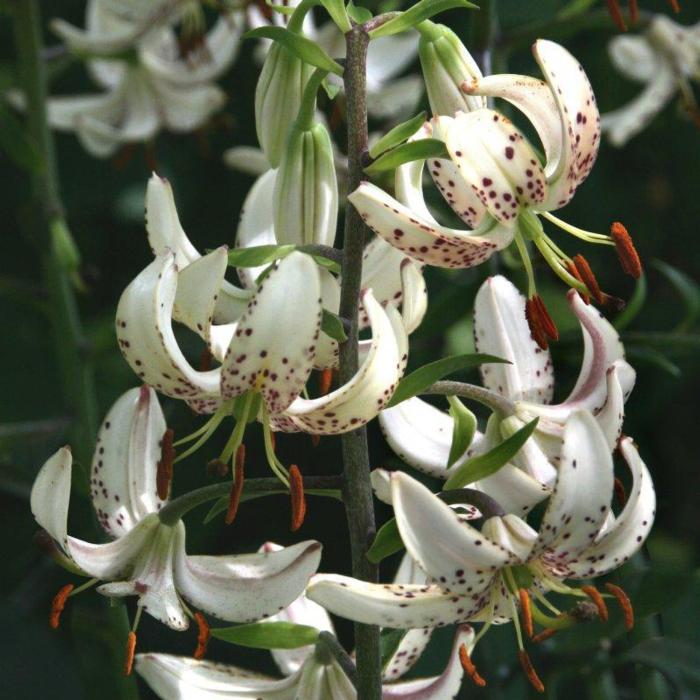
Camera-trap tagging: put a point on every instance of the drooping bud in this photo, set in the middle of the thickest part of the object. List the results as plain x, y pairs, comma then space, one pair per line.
447, 64
305, 200
278, 98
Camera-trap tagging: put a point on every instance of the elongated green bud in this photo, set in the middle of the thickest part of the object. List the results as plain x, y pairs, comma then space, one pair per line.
306, 189
278, 98
446, 64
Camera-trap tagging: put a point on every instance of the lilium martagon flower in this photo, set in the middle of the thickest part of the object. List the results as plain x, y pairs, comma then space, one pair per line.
313, 674
507, 567
666, 59
494, 181
421, 434
151, 87
146, 556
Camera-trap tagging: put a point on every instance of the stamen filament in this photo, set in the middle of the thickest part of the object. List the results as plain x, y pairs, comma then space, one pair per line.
624, 602
588, 236
469, 667
557, 266
206, 431
597, 599
268, 440
542, 599
527, 263
237, 435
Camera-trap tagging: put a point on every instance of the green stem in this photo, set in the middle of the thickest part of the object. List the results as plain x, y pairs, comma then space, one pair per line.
180, 506
328, 644
357, 487
76, 374
486, 397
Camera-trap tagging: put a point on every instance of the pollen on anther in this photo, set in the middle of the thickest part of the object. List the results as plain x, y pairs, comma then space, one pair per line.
59, 602
468, 666
202, 636
297, 497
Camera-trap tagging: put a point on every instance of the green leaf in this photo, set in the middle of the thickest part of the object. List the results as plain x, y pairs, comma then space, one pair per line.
268, 635
389, 641
336, 9
282, 9
258, 255
358, 14
397, 135
677, 660
654, 358
303, 48
687, 288
16, 143
387, 541
424, 376
463, 429
332, 326
422, 10
490, 462
405, 153
634, 305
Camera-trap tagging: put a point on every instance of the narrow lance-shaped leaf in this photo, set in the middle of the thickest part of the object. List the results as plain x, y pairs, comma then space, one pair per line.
282, 9
463, 429
397, 135
336, 9
255, 256
387, 541
490, 462
17, 144
688, 289
424, 376
407, 152
268, 635
634, 305
305, 49
422, 10
358, 14
332, 326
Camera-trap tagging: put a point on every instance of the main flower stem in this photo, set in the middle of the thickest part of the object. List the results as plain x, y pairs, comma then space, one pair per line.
357, 489
75, 371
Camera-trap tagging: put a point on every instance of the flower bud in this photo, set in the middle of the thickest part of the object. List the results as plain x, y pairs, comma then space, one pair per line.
446, 64
278, 98
305, 201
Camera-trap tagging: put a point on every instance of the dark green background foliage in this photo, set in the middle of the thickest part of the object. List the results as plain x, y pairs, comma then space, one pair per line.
651, 185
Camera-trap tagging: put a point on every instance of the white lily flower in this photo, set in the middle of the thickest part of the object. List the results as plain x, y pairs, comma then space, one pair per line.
493, 179
320, 678
422, 434
477, 574
147, 557
665, 59
157, 89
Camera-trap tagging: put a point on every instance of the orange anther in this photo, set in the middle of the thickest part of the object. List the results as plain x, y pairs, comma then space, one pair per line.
542, 326
626, 252
164, 475
575, 273
298, 499
620, 492
589, 279
625, 603
468, 666
634, 11
598, 601
325, 381
205, 360
526, 612
237, 487
530, 671
58, 603
315, 439
130, 651
675, 5
202, 636
616, 14
544, 634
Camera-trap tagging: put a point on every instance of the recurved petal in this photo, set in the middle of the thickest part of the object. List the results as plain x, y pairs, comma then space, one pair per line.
247, 587
146, 338
443, 687
634, 57
580, 501
453, 553
620, 540
368, 391
124, 467
611, 417
274, 345
500, 329
392, 605
50, 495
424, 239
183, 678
186, 108
580, 120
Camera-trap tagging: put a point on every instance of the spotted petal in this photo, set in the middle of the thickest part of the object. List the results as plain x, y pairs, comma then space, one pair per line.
247, 587
500, 329
50, 495
183, 678
619, 540
392, 605
275, 341
368, 391
443, 687
495, 160
451, 551
580, 502
146, 337
123, 474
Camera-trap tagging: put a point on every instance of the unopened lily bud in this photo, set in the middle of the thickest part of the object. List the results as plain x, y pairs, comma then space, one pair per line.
447, 64
305, 200
278, 98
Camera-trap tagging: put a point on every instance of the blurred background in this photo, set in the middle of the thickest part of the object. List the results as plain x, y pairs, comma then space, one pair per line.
651, 185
